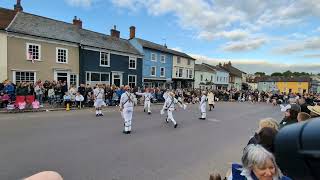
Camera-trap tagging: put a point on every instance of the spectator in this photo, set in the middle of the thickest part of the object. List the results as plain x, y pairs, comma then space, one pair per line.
51, 94
303, 105
67, 99
263, 123
79, 100
10, 90
302, 116
266, 139
257, 163
290, 115
4, 100
82, 89
39, 90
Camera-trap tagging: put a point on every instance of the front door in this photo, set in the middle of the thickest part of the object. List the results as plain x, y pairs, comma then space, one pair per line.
117, 79
63, 76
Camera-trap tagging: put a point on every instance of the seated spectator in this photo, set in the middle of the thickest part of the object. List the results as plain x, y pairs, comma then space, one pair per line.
90, 99
266, 138
263, 123
291, 114
79, 100
4, 100
67, 99
257, 164
302, 116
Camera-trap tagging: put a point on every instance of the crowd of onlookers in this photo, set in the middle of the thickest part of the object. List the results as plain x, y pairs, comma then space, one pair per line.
258, 160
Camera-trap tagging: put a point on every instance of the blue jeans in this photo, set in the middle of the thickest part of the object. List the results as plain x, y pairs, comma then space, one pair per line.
40, 98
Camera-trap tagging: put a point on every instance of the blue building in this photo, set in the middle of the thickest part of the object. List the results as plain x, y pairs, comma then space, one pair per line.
157, 62
109, 60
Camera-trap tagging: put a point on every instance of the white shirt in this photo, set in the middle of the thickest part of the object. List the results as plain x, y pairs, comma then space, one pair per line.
79, 98
170, 102
98, 93
203, 99
127, 100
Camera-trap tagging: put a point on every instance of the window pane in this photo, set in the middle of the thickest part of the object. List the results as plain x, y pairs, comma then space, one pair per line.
104, 77
95, 76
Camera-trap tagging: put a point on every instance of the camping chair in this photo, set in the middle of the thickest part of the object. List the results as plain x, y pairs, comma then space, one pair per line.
29, 100
20, 102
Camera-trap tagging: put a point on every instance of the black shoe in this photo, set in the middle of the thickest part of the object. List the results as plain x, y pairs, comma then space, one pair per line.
167, 120
202, 118
149, 113
125, 132
129, 132
144, 110
176, 125
97, 115
100, 114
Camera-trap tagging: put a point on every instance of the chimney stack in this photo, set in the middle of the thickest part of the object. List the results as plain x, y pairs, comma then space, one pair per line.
114, 32
18, 7
132, 32
77, 22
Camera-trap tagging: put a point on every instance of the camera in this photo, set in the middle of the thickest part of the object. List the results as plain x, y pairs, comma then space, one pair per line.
297, 150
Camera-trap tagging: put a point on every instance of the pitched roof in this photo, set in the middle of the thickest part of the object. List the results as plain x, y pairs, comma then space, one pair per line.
216, 68
152, 45
232, 70
284, 79
6, 16
39, 26
203, 68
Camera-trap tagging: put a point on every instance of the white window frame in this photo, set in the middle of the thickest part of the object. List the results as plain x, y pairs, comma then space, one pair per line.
201, 77
102, 65
97, 82
179, 72
132, 58
27, 51
164, 72
135, 78
190, 72
67, 55
14, 79
155, 57
178, 60
155, 71
189, 62
164, 58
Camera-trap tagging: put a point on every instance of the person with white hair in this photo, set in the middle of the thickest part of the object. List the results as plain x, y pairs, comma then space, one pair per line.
257, 164
127, 102
147, 100
203, 105
99, 99
169, 106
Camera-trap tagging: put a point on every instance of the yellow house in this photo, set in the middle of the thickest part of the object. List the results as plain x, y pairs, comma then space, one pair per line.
293, 84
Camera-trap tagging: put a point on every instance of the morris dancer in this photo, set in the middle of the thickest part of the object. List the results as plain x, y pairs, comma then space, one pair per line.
147, 100
169, 107
127, 102
203, 105
99, 99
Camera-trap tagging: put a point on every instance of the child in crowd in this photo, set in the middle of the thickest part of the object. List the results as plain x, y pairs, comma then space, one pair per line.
302, 116
4, 100
79, 100
51, 95
90, 99
67, 99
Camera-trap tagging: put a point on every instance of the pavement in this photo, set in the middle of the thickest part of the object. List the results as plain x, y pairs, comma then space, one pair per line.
82, 147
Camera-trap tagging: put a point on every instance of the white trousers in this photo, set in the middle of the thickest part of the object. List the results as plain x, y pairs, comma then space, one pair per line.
203, 109
127, 116
170, 116
147, 106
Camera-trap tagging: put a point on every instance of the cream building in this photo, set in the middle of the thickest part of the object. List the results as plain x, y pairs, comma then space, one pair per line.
204, 77
42, 48
183, 71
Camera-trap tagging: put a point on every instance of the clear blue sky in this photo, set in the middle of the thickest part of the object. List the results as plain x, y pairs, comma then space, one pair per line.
248, 31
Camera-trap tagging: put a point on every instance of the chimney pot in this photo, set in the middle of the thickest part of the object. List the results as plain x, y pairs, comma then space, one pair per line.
132, 32
77, 22
18, 7
114, 32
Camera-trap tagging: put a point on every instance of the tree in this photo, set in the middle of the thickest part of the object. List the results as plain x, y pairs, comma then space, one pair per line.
287, 74
276, 74
260, 74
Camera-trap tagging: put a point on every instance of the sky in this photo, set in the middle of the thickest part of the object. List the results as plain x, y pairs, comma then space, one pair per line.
255, 35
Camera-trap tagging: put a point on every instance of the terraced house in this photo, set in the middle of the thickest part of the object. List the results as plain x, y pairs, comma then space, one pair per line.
47, 49
42, 48
158, 63
6, 16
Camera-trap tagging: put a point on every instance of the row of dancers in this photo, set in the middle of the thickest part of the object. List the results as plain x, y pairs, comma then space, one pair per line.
128, 100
